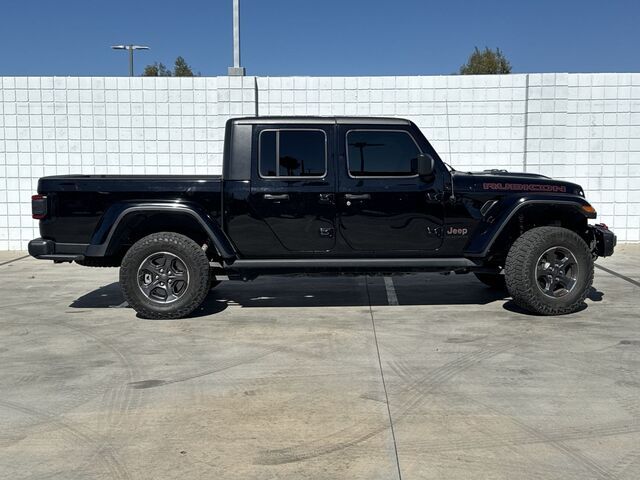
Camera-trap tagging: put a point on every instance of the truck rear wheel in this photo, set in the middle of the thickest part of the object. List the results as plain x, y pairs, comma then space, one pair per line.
549, 271
165, 275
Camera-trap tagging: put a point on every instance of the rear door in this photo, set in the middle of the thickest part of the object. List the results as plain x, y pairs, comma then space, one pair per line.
383, 206
293, 187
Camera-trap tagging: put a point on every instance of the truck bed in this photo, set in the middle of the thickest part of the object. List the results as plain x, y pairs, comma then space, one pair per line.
78, 202
129, 183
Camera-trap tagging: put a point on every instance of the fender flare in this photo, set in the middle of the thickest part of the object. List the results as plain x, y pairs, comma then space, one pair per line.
114, 216
493, 224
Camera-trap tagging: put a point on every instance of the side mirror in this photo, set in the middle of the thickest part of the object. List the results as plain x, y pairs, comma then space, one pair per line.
426, 165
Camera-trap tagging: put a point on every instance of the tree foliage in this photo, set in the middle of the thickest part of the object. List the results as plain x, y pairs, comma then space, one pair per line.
156, 70
486, 62
180, 69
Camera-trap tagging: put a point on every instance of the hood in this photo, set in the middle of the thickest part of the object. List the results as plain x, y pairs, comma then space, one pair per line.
501, 181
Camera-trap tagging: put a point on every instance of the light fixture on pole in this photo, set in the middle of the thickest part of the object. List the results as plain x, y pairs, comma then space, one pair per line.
236, 70
131, 48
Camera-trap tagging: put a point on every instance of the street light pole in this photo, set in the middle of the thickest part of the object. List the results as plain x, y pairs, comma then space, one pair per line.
131, 48
236, 70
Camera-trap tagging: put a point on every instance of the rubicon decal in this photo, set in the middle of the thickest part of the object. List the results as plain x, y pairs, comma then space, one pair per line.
524, 187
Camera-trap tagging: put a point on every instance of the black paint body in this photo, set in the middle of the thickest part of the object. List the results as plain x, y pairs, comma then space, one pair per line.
331, 223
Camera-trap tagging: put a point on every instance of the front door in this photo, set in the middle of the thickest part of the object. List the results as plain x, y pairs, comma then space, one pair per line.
384, 207
293, 188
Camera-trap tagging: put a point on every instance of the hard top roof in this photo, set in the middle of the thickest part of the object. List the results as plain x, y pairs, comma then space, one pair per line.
302, 120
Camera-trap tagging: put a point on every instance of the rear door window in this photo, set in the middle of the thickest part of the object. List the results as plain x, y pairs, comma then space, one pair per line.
292, 153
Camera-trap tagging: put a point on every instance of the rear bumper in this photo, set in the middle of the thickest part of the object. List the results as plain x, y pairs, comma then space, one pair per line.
604, 240
58, 252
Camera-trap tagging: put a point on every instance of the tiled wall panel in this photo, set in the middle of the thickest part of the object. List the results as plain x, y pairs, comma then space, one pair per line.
68, 125
579, 127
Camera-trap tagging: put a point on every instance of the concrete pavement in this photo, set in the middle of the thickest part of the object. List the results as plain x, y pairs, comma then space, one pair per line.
317, 378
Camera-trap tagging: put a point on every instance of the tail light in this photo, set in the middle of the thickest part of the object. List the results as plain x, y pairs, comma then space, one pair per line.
39, 206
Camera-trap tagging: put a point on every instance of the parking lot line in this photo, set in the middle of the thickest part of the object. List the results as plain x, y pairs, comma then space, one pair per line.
392, 298
384, 383
124, 304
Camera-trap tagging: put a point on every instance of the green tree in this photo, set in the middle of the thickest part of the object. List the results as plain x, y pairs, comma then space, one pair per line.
486, 62
156, 70
181, 68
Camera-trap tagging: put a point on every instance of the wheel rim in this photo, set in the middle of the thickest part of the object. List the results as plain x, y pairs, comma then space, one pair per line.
163, 277
557, 272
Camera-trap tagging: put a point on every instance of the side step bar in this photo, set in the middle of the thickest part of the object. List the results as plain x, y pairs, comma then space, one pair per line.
351, 263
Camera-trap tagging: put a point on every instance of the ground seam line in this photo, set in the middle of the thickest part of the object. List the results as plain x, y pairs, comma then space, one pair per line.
14, 260
384, 384
619, 275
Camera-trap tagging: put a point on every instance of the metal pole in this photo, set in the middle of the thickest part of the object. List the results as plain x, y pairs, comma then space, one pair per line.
236, 34
131, 60
131, 48
236, 69
526, 124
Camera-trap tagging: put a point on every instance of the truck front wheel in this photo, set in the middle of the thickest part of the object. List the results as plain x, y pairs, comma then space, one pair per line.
165, 275
549, 271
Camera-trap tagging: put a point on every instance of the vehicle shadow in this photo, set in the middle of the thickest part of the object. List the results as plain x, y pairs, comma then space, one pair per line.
326, 291
107, 296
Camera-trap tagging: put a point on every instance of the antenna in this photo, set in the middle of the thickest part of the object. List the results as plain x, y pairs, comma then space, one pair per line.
446, 106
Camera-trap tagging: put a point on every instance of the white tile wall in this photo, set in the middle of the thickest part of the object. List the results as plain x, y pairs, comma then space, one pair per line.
473, 121
580, 127
62, 125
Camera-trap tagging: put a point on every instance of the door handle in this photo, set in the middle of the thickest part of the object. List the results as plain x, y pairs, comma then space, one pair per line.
281, 196
357, 196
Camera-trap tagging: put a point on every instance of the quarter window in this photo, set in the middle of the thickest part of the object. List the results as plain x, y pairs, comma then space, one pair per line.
381, 153
293, 153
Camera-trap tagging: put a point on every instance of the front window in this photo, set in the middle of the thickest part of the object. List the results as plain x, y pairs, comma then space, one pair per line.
381, 153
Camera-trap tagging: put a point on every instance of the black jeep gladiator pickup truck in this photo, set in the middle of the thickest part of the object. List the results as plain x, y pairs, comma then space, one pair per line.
323, 195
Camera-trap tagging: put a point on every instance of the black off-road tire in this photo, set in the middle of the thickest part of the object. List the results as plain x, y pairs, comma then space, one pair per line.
521, 264
492, 280
188, 252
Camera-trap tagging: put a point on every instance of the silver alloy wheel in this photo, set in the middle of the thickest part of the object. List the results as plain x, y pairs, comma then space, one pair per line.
163, 277
557, 272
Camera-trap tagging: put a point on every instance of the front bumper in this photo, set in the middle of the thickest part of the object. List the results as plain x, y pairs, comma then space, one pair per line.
604, 240
44, 249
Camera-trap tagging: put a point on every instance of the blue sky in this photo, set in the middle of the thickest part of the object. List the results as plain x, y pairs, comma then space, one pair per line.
319, 37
